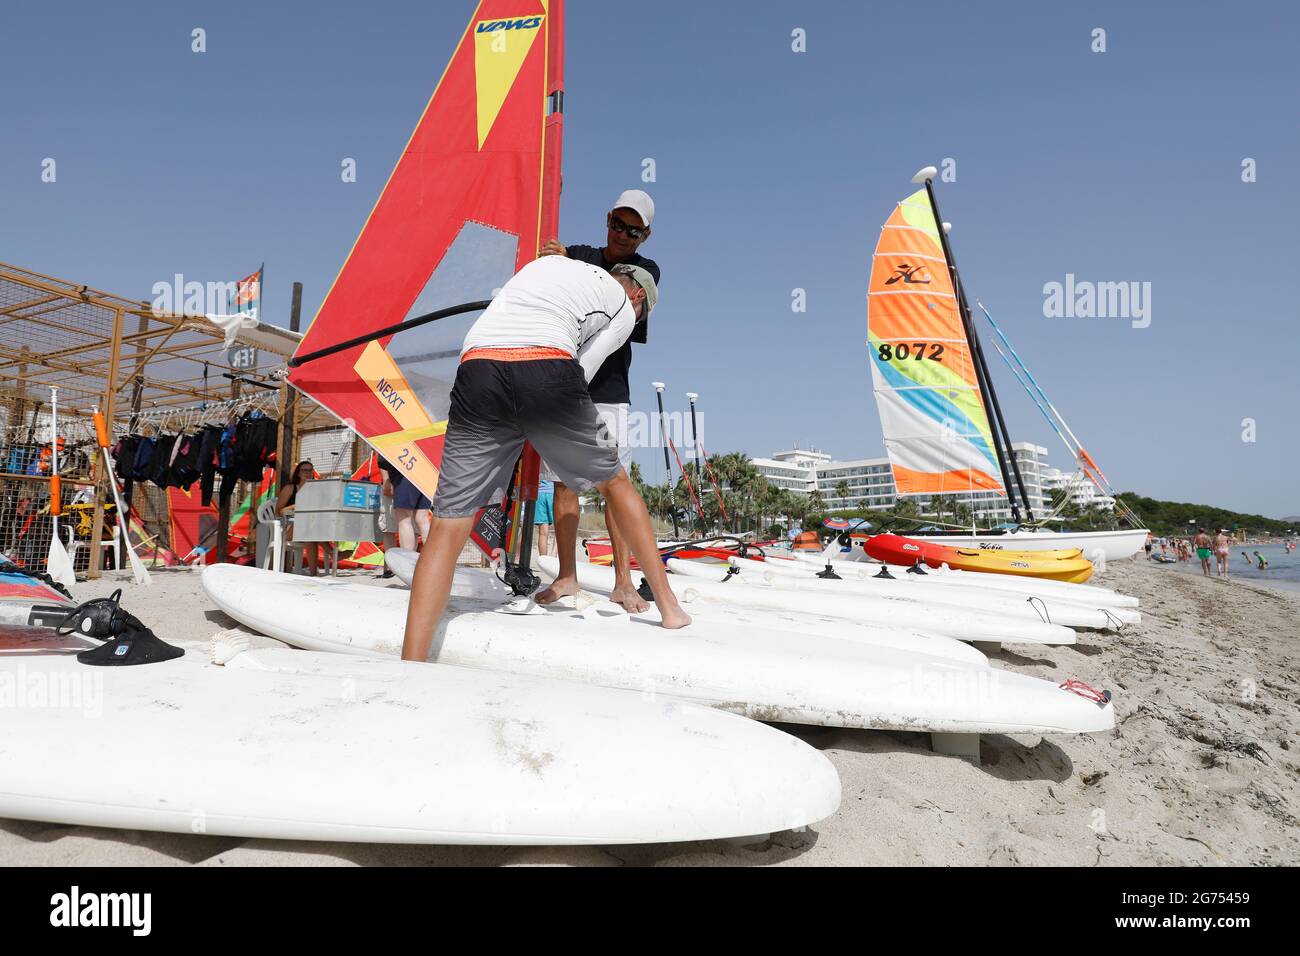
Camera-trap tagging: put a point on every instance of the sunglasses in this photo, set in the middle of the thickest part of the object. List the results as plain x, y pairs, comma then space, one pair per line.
633, 232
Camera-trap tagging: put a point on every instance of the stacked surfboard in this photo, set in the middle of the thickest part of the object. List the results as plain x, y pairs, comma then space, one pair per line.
801, 669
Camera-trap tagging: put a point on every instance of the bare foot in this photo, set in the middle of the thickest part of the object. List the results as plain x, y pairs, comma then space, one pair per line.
629, 599
560, 587
675, 619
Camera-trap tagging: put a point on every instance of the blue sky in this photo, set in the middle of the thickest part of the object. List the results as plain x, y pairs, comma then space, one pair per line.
774, 171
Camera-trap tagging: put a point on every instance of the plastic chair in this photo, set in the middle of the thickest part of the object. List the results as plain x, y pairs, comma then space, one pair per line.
266, 516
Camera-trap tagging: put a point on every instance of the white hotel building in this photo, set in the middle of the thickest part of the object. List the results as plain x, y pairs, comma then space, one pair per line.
871, 482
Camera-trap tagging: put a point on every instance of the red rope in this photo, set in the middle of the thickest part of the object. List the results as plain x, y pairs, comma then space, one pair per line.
716, 490
1083, 690
686, 479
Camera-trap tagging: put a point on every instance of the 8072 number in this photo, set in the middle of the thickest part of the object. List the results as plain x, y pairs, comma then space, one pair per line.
915, 351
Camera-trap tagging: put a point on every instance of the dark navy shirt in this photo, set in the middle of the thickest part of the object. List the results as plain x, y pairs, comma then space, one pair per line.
610, 384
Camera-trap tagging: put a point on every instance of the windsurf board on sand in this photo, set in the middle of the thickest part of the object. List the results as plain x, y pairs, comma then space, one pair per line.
600, 579
1093, 595
286, 744
963, 601
769, 675
966, 624
26, 601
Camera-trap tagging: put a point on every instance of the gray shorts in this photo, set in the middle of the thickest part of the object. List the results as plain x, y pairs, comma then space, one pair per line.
615, 417
495, 407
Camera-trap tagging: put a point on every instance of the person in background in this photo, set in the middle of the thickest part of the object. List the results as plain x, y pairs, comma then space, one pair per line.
1148, 545
1202, 542
544, 516
1222, 551
628, 226
303, 472
410, 506
387, 519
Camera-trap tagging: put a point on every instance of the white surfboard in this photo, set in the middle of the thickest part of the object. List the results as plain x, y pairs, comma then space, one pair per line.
1093, 595
813, 589
600, 579
769, 675
964, 624
285, 744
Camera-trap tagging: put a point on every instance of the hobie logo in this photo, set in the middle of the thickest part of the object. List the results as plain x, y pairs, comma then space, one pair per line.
523, 23
911, 275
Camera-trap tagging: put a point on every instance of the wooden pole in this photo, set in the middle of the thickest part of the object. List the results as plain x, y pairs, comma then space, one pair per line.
223, 503
285, 460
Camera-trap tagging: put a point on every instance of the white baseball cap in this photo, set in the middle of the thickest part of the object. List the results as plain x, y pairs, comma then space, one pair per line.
639, 202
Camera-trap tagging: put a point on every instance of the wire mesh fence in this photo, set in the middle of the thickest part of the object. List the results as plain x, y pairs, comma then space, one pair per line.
150, 372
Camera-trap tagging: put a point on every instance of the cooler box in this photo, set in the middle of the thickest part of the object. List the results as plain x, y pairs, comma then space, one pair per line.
337, 509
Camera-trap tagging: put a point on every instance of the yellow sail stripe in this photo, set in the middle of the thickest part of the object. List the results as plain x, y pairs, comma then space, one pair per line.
412, 434
385, 380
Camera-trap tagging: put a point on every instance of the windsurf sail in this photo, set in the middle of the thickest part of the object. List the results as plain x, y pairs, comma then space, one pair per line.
473, 197
936, 427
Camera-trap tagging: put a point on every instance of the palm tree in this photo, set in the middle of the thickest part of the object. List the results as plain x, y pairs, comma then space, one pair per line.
842, 492
816, 504
961, 513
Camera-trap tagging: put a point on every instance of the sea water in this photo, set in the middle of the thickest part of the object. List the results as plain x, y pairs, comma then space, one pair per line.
1283, 566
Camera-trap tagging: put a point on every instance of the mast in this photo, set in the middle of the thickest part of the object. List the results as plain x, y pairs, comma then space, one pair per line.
695, 434
668, 468
521, 578
1001, 440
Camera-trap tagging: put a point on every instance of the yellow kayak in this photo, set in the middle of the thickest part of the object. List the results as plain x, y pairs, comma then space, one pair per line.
1060, 565
1074, 569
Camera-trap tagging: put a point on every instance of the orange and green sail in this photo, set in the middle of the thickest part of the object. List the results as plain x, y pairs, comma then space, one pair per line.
936, 427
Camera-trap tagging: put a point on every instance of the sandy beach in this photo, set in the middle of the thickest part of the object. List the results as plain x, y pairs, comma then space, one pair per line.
1202, 769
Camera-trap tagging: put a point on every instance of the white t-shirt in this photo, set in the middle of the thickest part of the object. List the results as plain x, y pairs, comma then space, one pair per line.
560, 303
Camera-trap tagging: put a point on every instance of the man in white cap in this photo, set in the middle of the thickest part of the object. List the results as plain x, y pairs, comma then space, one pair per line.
629, 226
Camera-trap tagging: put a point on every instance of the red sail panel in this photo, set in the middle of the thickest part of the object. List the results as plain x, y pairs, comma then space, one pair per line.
462, 211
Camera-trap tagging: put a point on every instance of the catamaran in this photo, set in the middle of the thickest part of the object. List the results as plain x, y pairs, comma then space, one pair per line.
934, 393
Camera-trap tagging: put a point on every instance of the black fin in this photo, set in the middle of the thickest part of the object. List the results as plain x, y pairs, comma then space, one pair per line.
132, 646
